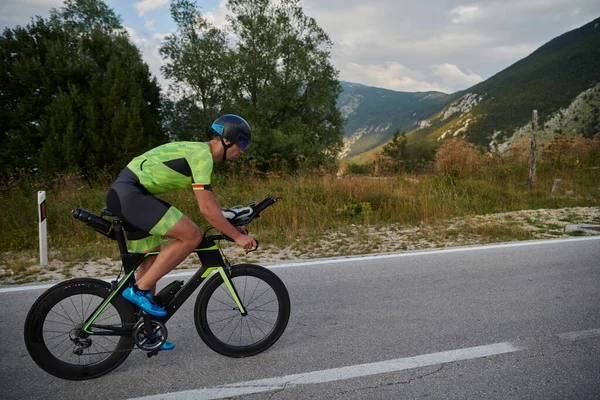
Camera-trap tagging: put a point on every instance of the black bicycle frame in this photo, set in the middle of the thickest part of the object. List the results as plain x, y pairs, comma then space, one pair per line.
210, 260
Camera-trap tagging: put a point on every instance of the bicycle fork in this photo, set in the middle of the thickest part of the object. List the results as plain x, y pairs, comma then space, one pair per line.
232, 290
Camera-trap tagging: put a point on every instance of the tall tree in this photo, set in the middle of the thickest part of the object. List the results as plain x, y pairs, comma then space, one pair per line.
196, 61
275, 72
76, 95
286, 83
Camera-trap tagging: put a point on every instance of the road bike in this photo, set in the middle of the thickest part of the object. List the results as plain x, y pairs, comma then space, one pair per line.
83, 328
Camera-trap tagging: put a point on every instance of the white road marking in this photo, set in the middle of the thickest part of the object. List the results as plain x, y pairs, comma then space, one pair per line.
356, 371
337, 260
580, 334
337, 374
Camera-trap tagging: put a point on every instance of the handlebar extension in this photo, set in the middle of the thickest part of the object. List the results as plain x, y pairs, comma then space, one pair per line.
260, 207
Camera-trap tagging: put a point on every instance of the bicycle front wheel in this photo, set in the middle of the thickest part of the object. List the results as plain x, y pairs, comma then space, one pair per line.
220, 323
54, 333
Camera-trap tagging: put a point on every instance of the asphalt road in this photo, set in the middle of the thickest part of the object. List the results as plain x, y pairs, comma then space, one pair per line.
517, 321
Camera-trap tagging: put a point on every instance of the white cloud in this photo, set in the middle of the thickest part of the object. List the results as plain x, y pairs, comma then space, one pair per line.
539, 4
150, 52
510, 53
391, 75
217, 17
150, 24
453, 77
145, 6
396, 44
20, 12
466, 14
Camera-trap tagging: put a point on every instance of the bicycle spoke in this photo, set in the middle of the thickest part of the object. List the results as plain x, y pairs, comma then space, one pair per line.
224, 319
245, 284
87, 308
250, 330
222, 302
233, 331
62, 334
68, 316
260, 319
264, 304
254, 291
226, 290
68, 347
81, 298
75, 308
265, 291
59, 323
62, 316
254, 322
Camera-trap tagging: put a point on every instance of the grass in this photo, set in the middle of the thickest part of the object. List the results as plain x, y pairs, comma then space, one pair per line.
311, 205
318, 210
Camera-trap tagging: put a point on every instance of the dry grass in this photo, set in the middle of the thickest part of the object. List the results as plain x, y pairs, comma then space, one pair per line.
319, 207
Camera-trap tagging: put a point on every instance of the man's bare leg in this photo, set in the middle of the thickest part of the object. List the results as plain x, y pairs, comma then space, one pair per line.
187, 236
145, 266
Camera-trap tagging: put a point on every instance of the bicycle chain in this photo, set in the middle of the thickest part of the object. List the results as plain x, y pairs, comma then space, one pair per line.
116, 351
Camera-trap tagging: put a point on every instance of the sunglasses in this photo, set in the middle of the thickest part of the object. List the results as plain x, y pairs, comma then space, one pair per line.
243, 142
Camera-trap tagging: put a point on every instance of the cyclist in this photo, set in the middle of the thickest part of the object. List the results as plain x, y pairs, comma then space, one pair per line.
175, 165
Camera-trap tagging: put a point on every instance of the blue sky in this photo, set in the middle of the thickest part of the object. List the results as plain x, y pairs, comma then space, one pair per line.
401, 45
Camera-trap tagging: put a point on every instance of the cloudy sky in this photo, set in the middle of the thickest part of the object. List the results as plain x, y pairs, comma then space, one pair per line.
402, 45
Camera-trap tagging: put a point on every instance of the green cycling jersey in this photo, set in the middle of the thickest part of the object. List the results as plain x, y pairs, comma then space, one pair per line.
176, 165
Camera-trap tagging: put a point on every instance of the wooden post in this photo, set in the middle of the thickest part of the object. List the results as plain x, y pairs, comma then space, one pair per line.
555, 186
533, 153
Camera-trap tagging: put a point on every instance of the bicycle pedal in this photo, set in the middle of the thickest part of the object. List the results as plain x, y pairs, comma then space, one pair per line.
152, 353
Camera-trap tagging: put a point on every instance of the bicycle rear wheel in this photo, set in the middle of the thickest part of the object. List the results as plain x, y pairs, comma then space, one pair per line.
54, 333
219, 321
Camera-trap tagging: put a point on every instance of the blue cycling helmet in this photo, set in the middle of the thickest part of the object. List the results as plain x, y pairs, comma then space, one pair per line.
233, 128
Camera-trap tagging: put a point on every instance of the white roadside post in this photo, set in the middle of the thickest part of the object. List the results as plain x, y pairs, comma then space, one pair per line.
42, 225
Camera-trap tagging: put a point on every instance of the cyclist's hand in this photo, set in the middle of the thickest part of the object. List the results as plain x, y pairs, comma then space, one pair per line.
245, 242
242, 229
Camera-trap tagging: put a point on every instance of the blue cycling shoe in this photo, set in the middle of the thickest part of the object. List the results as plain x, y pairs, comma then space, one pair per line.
144, 300
167, 346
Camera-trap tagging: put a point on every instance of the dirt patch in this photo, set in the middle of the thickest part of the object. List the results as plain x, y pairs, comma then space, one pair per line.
16, 268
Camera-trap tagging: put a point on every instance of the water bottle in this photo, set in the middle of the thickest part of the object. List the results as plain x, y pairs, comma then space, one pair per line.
95, 222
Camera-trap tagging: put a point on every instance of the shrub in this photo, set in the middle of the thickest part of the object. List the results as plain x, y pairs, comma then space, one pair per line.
457, 158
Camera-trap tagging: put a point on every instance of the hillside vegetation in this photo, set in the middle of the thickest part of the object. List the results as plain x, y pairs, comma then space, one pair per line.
460, 182
548, 80
374, 114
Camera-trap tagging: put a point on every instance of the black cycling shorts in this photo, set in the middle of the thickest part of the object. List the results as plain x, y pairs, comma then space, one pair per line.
146, 218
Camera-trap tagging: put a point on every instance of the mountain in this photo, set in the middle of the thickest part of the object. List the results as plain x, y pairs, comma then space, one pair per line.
561, 80
374, 114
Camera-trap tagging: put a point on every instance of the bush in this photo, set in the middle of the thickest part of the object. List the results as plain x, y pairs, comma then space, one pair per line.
457, 158
359, 169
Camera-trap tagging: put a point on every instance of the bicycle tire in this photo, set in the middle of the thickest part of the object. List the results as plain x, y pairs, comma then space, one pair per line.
254, 284
52, 323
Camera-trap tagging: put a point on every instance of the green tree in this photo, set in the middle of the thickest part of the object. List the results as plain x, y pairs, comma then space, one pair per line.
197, 61
276, 74
396, 148
285, 83
412, 157
76, 95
